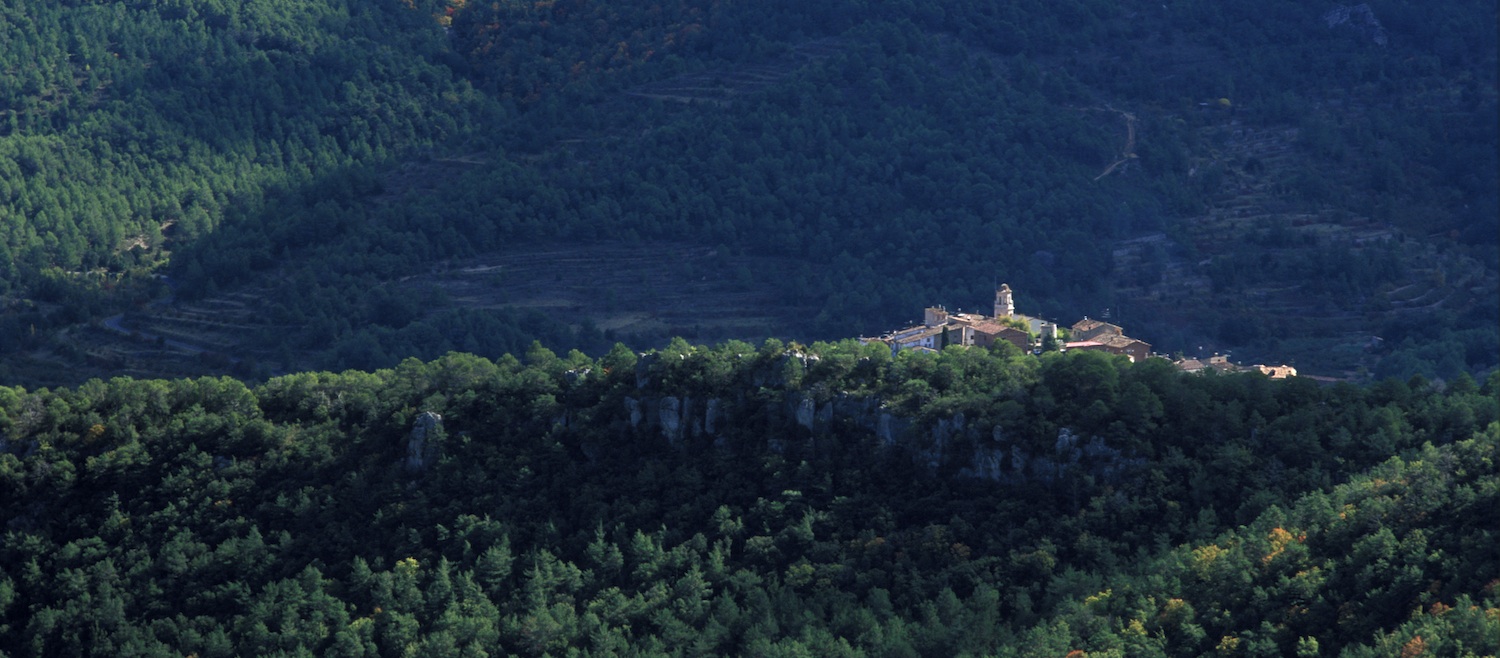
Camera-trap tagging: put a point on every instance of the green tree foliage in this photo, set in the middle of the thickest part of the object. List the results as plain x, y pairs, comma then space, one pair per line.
133, 128
1133, 510
906, 152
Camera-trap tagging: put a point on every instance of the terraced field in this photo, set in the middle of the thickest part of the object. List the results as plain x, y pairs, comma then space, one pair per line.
641, 293
1169, 288
721, 86
642, 290
1325, 331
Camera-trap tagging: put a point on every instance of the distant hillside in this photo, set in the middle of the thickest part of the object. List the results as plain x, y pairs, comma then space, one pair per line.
794, 500
131, 130
1311, 184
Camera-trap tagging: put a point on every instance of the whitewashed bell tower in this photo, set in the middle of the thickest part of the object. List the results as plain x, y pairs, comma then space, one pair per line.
1005, 306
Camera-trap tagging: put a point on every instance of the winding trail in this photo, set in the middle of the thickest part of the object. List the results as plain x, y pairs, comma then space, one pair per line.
1128, 153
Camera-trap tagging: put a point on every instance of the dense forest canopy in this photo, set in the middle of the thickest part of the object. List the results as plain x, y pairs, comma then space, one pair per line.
127, 121
300, 159
422, 189
1130, 510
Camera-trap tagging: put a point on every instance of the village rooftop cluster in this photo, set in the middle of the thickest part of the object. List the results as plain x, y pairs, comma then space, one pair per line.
939, 329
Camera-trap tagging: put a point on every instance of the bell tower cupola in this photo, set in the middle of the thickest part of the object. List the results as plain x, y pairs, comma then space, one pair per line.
1005, 305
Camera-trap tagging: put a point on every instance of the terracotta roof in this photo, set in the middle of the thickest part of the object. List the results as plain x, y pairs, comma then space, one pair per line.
1090, 323
916, 333
1120, 341
993, 327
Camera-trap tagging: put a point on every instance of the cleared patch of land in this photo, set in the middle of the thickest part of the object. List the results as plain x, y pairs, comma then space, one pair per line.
648, 290
641, 293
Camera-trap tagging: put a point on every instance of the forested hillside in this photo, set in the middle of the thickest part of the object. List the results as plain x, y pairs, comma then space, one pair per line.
127, 123
129, 130
1300, 183
226, 202
778, 500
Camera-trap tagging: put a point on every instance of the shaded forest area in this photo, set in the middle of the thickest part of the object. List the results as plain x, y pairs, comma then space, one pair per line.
904, 155
193, 187
1134, 510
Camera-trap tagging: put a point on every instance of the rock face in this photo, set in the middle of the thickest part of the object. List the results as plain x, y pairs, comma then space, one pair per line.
670, 411
805, 410
422, 445
633, 407
891, 427
711, 416
955, 444
643, 365
985, 465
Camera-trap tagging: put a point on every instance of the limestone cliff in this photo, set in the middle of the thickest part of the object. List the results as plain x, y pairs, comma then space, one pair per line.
780, 417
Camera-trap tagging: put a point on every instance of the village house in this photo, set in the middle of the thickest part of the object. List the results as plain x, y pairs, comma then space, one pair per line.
914, 337
1131, 348
1220, 363
988, 332
940, 328
1089, 329
1097, 335
1217, 362
1276, 372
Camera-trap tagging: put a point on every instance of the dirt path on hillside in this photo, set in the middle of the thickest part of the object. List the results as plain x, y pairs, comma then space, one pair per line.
1128, 153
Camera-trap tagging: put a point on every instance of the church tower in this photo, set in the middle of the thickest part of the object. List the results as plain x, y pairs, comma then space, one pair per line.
1005, 306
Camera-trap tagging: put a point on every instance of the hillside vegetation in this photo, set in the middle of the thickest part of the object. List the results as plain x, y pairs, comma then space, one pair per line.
1128, 510
234, 203
1285, 180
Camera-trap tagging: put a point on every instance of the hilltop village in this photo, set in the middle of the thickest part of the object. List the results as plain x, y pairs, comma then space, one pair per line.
939, 329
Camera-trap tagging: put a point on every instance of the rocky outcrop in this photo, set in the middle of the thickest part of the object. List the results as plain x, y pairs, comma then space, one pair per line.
804, 410
955, 444
423, 444
890, 427
985, 464
943, 433
643, 365
670, 412
633, 410
711, 413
